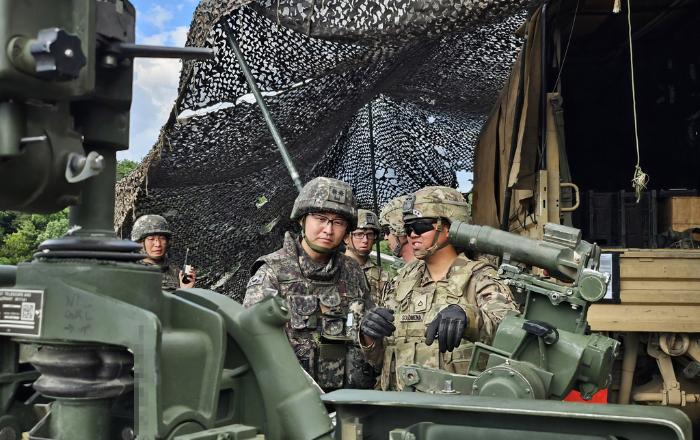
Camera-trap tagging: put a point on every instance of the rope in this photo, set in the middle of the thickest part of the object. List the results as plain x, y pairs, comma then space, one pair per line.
640, 179
374, 175
566, 50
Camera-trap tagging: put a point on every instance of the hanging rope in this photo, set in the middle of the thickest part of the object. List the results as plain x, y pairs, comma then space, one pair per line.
640, 179
373, 162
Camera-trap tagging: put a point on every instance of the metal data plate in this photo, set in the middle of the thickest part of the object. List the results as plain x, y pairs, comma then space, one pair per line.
21, 312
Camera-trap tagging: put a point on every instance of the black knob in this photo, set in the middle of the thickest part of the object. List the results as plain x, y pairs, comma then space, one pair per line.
542, 330
58, 55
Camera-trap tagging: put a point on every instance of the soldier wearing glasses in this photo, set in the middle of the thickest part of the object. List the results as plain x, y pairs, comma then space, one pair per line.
442, 295
326, 291
358, 245
154, 235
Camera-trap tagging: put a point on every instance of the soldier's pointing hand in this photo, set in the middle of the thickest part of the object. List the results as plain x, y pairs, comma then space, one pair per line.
377, 323
448, 326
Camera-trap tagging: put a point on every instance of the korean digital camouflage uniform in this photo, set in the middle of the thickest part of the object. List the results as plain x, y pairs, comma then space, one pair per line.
326, 301
377, 277
416, 298
156, 225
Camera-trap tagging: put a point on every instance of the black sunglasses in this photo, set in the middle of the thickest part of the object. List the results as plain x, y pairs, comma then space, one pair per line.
420, 226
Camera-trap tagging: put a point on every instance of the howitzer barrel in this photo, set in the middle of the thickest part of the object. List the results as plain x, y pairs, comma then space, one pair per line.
557, 259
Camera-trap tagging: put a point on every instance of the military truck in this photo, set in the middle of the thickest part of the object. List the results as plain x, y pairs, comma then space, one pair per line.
597, 128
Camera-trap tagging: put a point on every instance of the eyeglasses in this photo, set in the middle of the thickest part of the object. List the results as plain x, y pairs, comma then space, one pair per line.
361, 235
420, 226
334, 222
158, 238
385, 230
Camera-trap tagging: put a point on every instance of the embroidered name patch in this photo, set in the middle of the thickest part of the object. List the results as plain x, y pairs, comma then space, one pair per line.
411, 317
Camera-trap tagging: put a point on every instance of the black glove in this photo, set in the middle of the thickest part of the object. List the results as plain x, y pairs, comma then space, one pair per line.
448, 326
377, 323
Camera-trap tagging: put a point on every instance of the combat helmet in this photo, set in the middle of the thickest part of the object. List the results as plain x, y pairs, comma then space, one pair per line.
391, 216
150, 224
438, 202
324, 194
366, 219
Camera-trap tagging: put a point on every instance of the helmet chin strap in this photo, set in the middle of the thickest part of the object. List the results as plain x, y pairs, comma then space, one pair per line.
315, 247
396, 250
422, 255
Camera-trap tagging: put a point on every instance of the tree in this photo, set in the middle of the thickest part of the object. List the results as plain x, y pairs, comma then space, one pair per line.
27, 231
19, 245
124, 167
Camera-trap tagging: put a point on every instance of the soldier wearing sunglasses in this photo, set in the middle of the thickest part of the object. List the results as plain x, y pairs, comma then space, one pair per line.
326, 291
443, 295
358, 245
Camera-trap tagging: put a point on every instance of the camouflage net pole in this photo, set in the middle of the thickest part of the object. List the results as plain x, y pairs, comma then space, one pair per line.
293, 173
431, 74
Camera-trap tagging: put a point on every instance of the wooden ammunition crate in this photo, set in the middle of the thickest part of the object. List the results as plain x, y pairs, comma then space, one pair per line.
659, 292
680, 213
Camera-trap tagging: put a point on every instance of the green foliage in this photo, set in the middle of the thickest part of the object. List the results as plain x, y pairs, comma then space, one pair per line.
21, 234
56, 227
124, 167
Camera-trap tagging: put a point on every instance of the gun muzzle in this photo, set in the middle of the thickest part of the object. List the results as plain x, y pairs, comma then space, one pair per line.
558, 260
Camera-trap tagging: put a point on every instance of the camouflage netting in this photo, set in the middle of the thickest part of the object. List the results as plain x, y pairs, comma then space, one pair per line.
430, 71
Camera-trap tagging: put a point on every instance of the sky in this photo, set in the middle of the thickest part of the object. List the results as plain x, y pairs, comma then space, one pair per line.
162, 23
165, 23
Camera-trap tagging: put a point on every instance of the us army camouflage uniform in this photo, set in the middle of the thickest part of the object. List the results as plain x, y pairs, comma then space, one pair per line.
416, 299
327, 303
377, 278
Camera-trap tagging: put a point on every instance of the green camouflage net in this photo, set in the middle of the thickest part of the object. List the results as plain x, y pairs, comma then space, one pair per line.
429, 70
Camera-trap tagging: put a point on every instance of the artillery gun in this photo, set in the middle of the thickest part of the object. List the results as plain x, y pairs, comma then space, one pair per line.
545, 352
107, 353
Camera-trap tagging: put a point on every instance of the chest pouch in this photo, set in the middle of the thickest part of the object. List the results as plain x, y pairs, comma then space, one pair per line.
330, 298
333, 327
330, 367
451, 292
302, 308
403, 288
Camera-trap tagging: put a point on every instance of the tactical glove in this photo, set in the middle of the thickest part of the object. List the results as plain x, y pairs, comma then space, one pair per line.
448, 326
377, 323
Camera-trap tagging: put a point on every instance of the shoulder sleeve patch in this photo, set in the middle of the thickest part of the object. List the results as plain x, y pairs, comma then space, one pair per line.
255, 280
